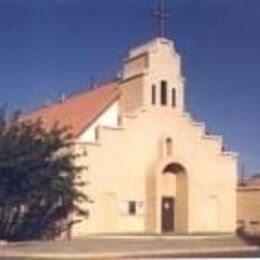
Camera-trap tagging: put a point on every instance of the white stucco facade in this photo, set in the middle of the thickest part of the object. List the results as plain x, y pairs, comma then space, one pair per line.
156, 170
108, 118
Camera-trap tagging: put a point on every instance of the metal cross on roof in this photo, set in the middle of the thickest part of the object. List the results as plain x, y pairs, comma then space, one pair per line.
162, 16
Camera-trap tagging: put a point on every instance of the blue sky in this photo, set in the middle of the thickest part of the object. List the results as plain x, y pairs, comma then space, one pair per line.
51, 47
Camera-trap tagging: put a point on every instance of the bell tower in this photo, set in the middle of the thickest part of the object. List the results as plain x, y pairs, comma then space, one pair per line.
152, 73
152, 77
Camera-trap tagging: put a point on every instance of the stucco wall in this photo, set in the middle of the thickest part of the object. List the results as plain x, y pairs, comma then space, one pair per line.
126, 162
248, 207
125, 158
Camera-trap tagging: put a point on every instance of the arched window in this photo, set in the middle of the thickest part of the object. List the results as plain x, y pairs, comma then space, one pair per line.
163, 93
153, 94
169, 146
173, 97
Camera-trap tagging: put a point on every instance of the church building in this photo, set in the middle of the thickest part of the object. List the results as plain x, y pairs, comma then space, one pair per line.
151, 167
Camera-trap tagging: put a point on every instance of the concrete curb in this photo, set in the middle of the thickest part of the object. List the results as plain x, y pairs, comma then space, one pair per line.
161, 237
125, 237
183, 252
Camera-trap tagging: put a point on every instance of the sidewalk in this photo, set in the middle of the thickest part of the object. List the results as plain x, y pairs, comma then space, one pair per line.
117, 247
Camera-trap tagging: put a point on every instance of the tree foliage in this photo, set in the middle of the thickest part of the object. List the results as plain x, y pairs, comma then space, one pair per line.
39, 182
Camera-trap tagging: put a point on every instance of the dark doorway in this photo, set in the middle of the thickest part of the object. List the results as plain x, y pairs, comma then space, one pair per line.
167, 214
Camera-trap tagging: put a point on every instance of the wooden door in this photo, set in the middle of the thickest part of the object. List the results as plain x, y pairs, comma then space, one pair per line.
167, 214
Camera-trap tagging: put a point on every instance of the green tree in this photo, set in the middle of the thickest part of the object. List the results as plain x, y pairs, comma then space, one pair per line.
39, 181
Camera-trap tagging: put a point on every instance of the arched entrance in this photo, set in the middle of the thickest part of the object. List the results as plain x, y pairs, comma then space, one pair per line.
173, 198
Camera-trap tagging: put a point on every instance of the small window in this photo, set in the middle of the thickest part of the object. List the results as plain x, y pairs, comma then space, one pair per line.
132, 208
163, 93
97, 133
153, 94
169, 146
173, 97
119, 120
254, 222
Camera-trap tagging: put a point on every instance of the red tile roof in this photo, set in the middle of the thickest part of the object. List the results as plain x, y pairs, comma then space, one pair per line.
77, 112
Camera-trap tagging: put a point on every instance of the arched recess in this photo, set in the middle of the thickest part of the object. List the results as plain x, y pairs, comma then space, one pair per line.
174, 168
210, 211
172, 197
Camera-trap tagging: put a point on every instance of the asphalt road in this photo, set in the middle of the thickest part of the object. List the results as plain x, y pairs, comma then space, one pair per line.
248, 254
